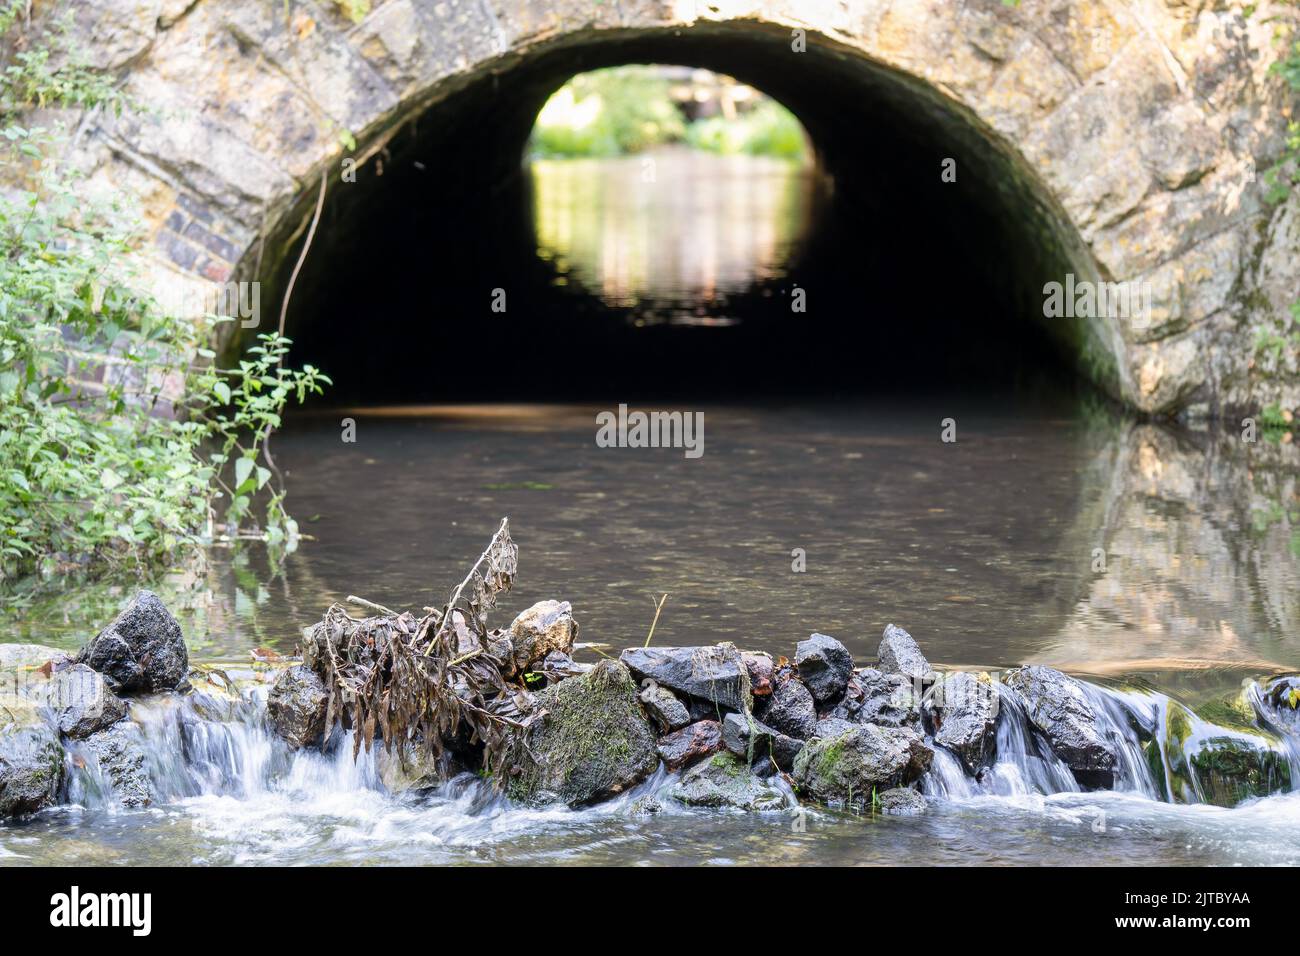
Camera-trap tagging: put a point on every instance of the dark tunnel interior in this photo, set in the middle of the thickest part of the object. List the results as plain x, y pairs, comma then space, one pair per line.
912, 284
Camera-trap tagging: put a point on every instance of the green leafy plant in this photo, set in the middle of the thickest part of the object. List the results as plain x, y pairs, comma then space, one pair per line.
118, 435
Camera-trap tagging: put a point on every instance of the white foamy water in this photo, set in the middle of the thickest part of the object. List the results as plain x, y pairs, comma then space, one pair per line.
230, 793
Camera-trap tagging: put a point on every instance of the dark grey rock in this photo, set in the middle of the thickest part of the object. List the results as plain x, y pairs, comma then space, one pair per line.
791, 709
714, 675
664, 708
785, 750
31, 769
901, 801
746, 737
700, 739
142, 651
863, 761
725, 780
297, 707
873, 697
558, 666
82, 702
122, 764
593, 742
963, 709
899, 654
832, 727
1058, 706
824, 665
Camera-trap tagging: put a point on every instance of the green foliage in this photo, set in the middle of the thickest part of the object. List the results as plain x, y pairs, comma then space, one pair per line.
354, 10
623, 110
1283, 175
769, 129
91, 473
46, 69
608, 113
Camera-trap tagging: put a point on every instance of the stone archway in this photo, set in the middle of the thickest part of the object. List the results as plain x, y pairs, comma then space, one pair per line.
1122, 136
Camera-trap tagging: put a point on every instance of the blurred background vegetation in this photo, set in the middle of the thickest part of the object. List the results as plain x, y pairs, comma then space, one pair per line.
629, 109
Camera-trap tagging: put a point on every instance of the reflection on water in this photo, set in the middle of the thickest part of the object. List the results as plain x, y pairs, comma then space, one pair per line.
673, 226
985, 549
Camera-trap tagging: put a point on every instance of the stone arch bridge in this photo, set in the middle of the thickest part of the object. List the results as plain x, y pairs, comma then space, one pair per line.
1112, 140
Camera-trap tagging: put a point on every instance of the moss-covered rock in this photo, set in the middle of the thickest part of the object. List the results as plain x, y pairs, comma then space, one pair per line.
725, 780
594, 741
851, 767
119, 755
31, 764
1208, 763
1232, 769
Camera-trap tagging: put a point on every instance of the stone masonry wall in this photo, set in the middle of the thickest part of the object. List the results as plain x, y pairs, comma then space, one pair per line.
1146, 119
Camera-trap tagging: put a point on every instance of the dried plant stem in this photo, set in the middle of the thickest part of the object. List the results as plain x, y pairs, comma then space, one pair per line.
362, 602
446, 617
658, 608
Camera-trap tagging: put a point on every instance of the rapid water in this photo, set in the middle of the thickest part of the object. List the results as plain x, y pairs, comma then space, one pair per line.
230, 793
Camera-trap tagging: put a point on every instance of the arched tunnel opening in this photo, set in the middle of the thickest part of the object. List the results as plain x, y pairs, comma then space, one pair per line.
429, 279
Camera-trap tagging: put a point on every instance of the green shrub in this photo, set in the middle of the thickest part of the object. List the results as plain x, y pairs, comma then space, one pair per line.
95, 475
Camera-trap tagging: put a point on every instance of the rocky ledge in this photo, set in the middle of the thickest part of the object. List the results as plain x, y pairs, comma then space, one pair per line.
737, 729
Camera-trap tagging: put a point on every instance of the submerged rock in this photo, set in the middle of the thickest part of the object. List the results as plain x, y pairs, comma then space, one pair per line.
142, 651
593, 742
122, 764
411, 768
664, 708
1210, 764
31, 767
725, 780
791, 709
82, 702
1058, 706
297, 707
874, 697
700, 739
545, 627
901, 802
860, 762
824, 665
714, 674
900, 654
963, 708
1278, 704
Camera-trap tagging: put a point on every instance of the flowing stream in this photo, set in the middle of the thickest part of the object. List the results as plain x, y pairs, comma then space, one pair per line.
231, 793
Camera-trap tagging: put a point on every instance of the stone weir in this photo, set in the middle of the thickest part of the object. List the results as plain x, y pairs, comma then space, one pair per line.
733, 728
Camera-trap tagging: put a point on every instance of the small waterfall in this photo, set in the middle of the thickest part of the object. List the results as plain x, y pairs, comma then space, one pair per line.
191, 748
1127, 719
203, 746
1136, 723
